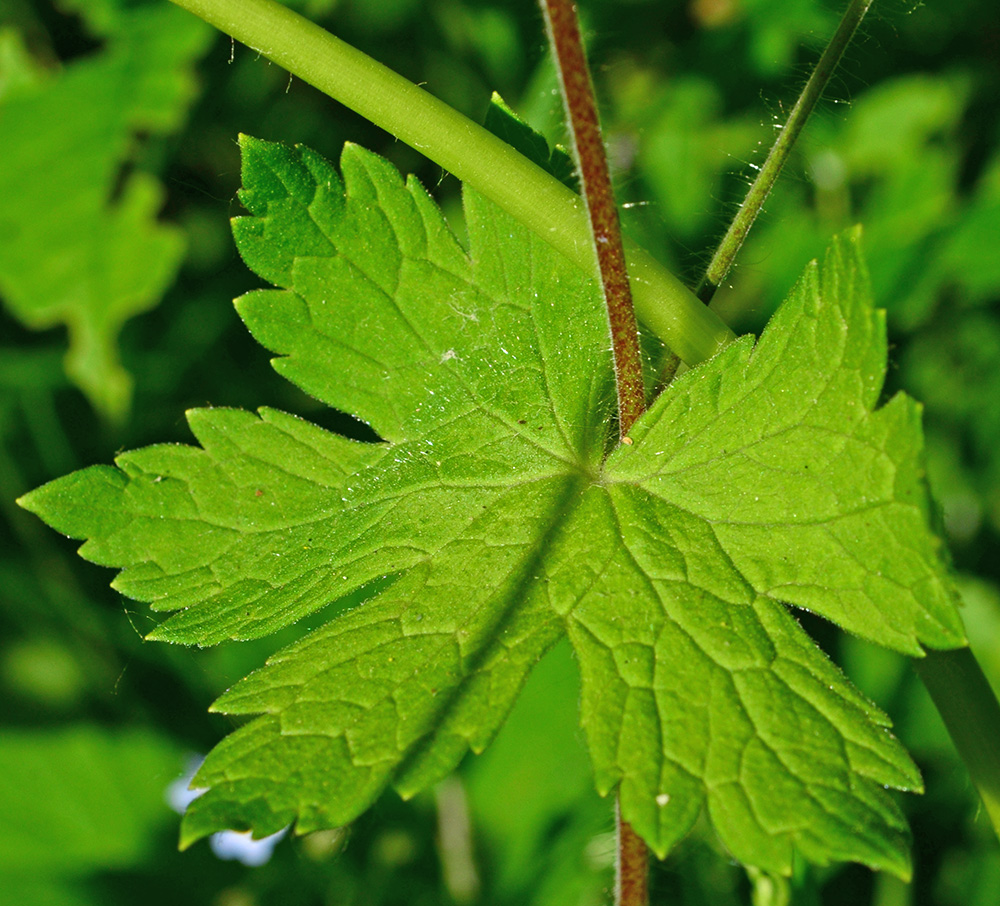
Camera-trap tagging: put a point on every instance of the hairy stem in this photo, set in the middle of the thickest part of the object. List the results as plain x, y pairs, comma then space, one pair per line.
730, 245
631, 866
563, 27
605, 229
474, 155
970, 711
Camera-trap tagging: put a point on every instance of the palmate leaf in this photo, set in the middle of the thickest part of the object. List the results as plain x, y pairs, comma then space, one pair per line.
493, 520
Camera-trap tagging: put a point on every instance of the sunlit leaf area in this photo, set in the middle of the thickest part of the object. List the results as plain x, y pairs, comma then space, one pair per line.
120, 164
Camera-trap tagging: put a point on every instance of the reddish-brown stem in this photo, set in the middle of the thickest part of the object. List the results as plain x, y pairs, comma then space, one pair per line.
631, 885
632, 870
581, 110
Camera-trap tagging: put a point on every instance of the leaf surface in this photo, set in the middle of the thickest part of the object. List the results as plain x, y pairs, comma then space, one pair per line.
493, 521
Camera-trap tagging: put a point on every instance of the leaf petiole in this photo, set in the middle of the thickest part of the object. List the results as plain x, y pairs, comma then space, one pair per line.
595, 181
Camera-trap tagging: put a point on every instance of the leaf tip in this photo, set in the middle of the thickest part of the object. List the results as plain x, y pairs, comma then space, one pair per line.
28, 501
248, 142
191, 833
83, 504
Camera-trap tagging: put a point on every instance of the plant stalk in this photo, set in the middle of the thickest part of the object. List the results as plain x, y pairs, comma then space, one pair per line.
969, 708
731, 243
599, 199
563, 28
631, 866
476, 156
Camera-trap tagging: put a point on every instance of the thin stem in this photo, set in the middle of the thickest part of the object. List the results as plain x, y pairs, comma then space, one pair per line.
725, 254
605, 229
455, 846
632, 866
970, 711
563, 27
474, 155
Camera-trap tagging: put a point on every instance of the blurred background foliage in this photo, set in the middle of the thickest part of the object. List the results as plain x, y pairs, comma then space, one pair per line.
118, 172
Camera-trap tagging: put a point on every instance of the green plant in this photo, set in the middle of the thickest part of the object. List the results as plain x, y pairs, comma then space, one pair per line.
829, 311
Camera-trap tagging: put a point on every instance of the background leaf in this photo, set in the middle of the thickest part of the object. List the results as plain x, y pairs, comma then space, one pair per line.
78, 798
82, 247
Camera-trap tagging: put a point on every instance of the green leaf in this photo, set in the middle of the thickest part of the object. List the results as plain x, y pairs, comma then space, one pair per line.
504, 123
81, 799
763, 476
539, 847
687, 148
81, 245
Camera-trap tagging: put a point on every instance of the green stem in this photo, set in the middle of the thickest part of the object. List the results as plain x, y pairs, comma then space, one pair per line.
730, 245
970, 711
474, 155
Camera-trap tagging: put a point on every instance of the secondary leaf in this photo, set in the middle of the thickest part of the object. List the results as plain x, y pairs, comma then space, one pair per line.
506, 124
81, 244
501, 524
81, 799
